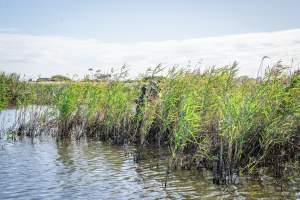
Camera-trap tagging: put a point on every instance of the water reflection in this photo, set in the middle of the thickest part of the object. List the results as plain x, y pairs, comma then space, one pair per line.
43, 168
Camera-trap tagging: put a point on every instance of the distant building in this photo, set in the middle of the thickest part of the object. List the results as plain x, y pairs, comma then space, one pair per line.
43, 79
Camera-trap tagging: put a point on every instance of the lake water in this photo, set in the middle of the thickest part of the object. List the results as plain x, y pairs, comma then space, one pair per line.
42, 168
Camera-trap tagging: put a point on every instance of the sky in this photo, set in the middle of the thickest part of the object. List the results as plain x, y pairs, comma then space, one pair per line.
46, 37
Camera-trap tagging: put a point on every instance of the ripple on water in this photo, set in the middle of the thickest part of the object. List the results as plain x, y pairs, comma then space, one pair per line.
45, 169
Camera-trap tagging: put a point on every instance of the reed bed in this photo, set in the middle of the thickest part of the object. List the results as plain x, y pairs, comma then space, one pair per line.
212, 119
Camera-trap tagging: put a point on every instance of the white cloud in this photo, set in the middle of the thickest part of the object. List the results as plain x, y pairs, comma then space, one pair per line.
48, 55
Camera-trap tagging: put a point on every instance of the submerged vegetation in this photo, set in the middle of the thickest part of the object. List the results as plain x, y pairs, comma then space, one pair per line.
211, 119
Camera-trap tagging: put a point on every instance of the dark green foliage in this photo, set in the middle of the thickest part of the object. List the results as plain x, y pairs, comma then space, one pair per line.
59, 78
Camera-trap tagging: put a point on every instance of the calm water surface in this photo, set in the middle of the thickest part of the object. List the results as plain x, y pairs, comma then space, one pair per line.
42, 168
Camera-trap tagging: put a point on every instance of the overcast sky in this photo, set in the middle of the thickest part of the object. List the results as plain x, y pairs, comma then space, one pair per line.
40, 37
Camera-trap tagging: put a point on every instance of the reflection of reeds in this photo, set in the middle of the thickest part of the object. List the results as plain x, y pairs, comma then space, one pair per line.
31, 121
212, 119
